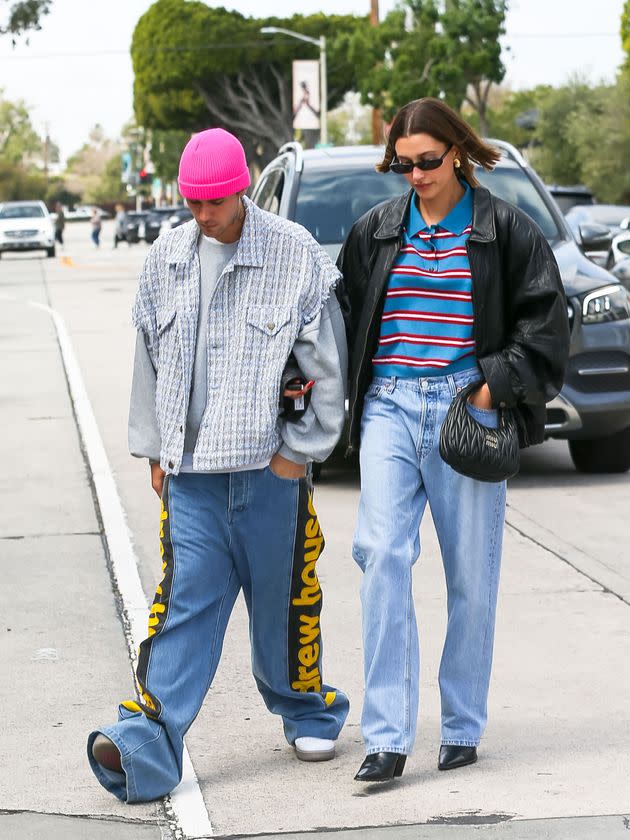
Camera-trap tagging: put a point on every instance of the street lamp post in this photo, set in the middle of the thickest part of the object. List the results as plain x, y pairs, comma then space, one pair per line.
323, 79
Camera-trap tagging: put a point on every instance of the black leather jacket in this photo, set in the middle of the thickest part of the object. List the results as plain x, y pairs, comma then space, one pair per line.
521, 326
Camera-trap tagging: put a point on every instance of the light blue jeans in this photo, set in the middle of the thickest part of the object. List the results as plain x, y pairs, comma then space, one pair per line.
401, 470
219, 534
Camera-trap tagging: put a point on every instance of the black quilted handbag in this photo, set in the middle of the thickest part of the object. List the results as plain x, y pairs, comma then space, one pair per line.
473, 449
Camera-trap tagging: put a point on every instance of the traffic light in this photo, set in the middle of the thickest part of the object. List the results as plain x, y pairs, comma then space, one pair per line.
146, 177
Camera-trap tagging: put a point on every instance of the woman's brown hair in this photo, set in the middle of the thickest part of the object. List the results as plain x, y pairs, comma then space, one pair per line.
434, 117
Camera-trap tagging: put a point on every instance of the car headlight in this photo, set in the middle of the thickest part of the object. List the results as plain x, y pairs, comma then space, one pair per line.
610, 303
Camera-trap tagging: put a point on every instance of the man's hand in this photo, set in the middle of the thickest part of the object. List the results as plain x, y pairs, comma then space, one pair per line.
157, 478
284, 468
481, 398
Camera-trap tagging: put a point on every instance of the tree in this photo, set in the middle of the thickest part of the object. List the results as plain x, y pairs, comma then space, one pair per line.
395, 60
197, 67
109, 188
448, 49
470, 52
625, 33
24, 16
18, 138
166, 150
17, 182
556, 155
600, 129
87, 168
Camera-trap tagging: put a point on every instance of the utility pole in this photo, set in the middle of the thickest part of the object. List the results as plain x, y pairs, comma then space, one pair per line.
46, 149
377, 123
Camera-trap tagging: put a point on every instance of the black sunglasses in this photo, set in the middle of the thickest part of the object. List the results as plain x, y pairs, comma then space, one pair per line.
426, 165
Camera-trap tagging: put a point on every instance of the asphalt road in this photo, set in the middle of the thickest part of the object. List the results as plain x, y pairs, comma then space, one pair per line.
555, 761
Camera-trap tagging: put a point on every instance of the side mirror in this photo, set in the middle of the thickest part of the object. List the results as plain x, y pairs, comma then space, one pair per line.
625, 223
595, 237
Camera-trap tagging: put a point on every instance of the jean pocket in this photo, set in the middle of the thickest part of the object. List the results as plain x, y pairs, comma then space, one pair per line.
488, 417
286, 480
373, 392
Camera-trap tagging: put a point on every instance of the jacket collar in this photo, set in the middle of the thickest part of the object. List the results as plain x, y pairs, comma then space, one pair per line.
394, 217
483, 216
482, 222
250, 249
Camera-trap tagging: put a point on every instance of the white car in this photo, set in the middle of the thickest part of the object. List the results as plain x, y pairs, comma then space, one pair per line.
26, 226
83, 213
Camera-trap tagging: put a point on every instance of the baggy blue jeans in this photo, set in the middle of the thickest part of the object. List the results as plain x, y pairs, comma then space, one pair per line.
401, 470
219, 534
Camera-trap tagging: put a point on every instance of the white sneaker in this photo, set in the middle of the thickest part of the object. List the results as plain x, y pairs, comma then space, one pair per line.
314, 749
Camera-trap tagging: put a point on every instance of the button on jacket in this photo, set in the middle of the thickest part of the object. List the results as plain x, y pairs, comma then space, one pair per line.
521, 328
277, 283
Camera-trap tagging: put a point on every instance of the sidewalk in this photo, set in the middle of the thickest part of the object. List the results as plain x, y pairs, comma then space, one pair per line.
554, 763
61, 645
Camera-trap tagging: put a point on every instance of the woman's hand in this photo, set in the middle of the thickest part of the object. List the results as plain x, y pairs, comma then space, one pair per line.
481, 398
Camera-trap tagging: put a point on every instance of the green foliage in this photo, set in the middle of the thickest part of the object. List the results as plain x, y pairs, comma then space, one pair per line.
24, 16
556, 153
426, 48
18, 183
109, 187
625, 33
58, 192
197, 66
94, 170
166, 149
600, 129
576, 134
516, 116
18, 138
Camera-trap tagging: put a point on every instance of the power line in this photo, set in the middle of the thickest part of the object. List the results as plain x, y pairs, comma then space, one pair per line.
271, 42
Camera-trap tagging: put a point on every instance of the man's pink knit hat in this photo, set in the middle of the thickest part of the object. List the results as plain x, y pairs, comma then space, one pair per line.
212, 165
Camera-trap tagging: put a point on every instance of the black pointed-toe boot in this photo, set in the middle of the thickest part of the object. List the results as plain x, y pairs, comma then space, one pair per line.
453, 756
381, 767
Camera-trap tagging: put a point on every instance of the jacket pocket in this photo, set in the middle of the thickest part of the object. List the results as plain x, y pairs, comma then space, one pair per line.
165, 317
268, 320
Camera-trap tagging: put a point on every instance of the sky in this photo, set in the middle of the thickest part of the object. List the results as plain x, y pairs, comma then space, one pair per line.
77, 72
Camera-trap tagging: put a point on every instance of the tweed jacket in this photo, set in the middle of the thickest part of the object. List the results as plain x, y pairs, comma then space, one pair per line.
277, 282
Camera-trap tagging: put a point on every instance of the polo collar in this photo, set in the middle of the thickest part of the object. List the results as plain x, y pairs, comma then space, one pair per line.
456, 221
483, 229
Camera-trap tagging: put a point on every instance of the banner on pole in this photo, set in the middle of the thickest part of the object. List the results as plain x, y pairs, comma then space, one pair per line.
306, 95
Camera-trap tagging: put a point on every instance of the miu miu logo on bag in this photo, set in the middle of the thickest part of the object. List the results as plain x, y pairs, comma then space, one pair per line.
492, 441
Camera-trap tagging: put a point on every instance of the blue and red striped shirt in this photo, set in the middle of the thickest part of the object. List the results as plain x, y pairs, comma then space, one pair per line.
427, 323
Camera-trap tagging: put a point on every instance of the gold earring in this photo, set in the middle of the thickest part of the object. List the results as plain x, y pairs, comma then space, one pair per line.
457, 163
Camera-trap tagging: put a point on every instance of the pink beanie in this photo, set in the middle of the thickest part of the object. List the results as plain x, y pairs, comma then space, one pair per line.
212, 165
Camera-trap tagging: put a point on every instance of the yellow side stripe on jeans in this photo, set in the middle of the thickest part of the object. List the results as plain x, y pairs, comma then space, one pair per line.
329, 697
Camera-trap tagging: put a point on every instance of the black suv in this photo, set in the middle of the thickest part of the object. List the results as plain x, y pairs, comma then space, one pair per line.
328, 189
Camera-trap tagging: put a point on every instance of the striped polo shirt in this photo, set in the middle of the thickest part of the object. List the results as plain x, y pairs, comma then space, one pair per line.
427, 322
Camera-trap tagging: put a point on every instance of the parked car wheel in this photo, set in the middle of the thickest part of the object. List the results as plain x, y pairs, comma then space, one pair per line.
602, 455
50, 251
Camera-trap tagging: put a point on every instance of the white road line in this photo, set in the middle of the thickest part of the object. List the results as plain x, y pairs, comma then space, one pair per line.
186, 801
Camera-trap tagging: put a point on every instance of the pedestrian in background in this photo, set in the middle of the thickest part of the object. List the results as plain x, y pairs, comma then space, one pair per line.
445, 286
60, 222
95, 222
228, 303
119, 221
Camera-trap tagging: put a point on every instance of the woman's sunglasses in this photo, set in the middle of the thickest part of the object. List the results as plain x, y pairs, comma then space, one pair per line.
426, 165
